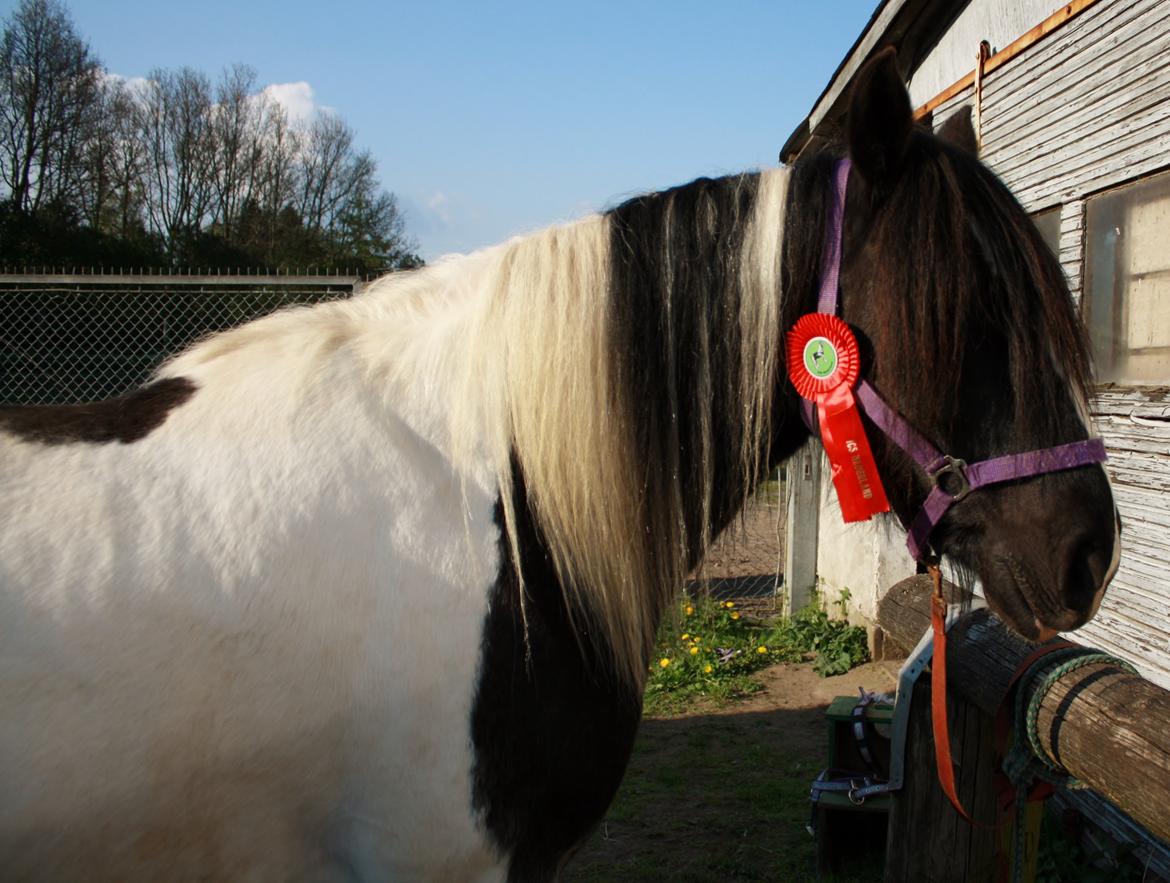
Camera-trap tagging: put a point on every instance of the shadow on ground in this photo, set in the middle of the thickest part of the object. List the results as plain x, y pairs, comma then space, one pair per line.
723, 796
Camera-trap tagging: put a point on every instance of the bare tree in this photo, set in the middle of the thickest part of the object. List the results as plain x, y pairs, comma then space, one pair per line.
48, 91
238, 132
325, 171
275, 176
127, 160
102, 148
176, 129
371, 230
217, 172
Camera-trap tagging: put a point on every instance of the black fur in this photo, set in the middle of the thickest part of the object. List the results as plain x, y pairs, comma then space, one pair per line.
958, 306
126, 419
660, 352
551, 731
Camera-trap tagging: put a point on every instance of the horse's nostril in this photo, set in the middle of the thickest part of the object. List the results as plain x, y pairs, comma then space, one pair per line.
1086, 570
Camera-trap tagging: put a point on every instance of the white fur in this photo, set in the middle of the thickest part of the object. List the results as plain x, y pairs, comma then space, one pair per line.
245, 647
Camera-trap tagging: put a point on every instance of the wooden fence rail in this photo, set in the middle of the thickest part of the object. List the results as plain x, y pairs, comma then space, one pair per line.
1106, 726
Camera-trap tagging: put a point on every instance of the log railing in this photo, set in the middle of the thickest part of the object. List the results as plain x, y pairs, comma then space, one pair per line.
1106, 726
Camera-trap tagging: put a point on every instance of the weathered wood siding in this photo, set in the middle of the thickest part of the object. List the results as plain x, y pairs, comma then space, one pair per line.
1085, 110
995, 21
1135, 618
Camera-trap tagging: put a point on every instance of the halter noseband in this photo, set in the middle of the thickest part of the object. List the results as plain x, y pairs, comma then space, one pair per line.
952, 479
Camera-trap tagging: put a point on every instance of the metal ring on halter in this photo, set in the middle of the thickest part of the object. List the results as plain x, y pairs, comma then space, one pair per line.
952, 466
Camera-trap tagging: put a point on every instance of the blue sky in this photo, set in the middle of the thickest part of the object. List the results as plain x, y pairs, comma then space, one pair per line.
491, 119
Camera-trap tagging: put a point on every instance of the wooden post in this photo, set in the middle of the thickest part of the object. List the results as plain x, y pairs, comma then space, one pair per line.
800, 545
927, 840
1109, 728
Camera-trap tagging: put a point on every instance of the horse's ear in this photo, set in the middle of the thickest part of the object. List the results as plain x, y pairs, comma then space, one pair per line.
880, 118
960, 131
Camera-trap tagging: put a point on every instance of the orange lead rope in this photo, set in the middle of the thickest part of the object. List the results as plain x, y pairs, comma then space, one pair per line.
938, 694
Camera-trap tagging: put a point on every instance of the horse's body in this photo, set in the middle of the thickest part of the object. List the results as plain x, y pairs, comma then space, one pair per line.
364, 591
262, 630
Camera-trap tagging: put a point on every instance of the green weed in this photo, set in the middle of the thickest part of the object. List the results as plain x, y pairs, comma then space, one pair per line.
710, 650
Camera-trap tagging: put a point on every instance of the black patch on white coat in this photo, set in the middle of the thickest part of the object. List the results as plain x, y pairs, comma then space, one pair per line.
126, 419
552, 731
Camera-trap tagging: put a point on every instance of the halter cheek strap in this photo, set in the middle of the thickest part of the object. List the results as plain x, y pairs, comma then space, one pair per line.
952, 479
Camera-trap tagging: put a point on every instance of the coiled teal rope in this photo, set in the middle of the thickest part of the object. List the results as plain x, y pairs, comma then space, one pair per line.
1027, 761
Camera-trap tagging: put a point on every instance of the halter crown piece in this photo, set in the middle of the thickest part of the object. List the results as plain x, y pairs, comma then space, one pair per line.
823, 367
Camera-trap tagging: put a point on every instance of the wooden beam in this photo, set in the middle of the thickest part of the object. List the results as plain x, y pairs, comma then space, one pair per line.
925, 838
1109, 728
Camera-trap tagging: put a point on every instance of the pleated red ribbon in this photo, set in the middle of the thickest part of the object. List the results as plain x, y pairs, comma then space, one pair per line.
823, 364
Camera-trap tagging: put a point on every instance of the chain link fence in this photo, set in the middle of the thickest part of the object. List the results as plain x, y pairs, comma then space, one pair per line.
76, 338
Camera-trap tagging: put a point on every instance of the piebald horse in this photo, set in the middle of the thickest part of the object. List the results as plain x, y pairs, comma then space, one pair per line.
366, 591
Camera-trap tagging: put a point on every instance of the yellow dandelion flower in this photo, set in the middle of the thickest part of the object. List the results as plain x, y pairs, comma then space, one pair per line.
761, 649
735, 616
729, 605
685, 636
694, 650
664, 662
706, 669
689, 610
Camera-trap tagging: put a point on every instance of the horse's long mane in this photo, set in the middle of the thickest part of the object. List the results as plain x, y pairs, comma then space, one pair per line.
971, 257
622, 372
626, 365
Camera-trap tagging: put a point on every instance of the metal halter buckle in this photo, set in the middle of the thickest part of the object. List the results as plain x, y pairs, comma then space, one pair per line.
957, 487
854, 797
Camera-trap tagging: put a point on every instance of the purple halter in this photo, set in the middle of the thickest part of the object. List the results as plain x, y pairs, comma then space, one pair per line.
961, 478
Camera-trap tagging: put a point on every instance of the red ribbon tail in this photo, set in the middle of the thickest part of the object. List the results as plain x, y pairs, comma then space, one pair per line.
855, 473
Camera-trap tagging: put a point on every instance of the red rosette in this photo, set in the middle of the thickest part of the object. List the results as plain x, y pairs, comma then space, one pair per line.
823, 365
836, 342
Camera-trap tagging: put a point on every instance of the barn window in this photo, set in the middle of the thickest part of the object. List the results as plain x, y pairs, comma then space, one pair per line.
1127, 287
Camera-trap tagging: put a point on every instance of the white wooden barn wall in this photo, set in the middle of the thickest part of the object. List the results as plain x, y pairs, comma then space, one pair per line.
1086, 110
996, 21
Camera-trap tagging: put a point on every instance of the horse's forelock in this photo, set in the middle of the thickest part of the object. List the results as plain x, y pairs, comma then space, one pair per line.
962, 263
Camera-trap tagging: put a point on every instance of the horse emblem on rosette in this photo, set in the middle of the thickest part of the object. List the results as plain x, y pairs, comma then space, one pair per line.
221, 595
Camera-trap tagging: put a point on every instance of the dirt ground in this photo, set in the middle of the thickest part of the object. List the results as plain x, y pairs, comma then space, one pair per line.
721, 794
747, 559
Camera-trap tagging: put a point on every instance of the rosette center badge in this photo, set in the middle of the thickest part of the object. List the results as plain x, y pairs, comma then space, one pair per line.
820, 358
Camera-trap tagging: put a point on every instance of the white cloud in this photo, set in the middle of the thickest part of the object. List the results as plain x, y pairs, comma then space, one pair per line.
440, 206
297, 99
136, 85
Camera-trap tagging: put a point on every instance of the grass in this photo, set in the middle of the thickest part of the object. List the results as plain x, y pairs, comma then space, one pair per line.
710, 649
696, 812
719, 797
722, 796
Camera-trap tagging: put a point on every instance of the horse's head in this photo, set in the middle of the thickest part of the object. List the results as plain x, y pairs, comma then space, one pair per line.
968, 330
